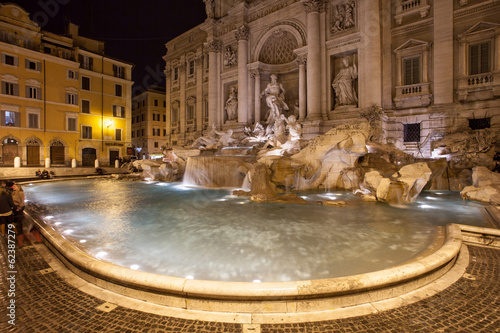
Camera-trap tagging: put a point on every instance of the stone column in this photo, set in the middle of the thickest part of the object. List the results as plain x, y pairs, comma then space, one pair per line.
168, 102
443, 52
182, 101
256, 77
251, 100
370, 56
302, 62
199, 93
214, 47
242, 37
313, 8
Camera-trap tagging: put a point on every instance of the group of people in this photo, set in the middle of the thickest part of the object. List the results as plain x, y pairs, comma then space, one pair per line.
44, 174
12, 212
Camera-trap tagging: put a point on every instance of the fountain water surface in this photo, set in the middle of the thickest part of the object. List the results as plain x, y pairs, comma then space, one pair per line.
208, 234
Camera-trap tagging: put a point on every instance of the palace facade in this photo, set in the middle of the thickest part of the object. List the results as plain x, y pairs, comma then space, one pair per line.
62, 98
427, 67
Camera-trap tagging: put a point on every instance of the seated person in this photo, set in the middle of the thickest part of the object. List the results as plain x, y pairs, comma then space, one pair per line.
45, 175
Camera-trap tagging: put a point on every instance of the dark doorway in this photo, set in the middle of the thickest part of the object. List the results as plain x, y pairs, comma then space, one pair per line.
113, 155
88, 157
33, 155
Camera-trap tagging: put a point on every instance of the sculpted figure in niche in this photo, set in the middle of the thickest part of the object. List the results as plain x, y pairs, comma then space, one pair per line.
343, 84
275, 99
209, 8
232, 105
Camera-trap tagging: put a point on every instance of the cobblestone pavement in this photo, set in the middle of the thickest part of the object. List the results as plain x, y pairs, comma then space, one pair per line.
46, 303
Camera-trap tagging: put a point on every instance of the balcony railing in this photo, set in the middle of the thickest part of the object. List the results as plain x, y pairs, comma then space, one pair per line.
479, 79
415, 95
410, 7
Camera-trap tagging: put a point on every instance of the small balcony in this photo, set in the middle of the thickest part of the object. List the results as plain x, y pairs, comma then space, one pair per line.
414, 95
410, 7
478, 87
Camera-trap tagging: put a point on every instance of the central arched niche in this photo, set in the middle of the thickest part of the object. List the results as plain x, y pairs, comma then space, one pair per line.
275, 53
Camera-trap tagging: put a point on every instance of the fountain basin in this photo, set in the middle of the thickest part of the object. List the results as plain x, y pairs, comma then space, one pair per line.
266, 297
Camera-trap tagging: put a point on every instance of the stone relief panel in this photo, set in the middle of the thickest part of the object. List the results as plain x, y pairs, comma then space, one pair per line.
342, 16
230, 57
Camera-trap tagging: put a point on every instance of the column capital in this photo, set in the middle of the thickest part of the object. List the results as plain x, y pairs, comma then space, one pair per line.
255, 73
243, 33
301, 61
213, 45
312, 6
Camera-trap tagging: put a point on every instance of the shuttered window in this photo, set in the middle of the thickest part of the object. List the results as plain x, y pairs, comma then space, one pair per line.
411, 71
9, 88
479, 58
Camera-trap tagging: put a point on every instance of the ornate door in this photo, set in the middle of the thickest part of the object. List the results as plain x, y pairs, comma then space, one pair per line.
57, 153
9, 151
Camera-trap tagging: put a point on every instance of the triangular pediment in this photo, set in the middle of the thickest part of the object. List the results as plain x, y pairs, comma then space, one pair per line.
412, 43
480, 27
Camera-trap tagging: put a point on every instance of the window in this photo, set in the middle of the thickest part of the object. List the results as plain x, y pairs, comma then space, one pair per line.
133, 134
33, 65
118, 90
164, 132
191, 67
33, 92
479, 58
164, 104
156, 102
481, 123
86, 132
164, 118
412, 132
11, 118
142, 132
85, 83
33, 120
176, 73
85, 106
411, 71
9, 60
118, 134
71, 74
118, 71
190, 112
142, 117
156, 144
156, 117
86, 62
72, 126
71, 98
9, 88
118, 111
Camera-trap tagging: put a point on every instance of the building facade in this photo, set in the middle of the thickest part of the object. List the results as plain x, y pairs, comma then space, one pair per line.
62, 98
148, 123
430, 67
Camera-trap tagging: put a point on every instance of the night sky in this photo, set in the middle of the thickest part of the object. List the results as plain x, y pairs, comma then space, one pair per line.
134, 30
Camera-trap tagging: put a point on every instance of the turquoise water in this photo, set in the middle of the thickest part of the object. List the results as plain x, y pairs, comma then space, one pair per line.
208, 234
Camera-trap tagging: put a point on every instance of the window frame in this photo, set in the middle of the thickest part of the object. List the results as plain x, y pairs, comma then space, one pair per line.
86, 130
86, 83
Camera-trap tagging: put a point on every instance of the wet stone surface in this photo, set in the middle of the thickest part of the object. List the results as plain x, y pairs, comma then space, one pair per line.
45, 303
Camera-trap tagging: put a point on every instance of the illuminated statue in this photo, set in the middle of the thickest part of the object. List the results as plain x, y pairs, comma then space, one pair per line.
343, 84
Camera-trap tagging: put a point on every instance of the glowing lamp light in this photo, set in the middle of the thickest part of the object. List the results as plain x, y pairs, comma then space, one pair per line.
109, 123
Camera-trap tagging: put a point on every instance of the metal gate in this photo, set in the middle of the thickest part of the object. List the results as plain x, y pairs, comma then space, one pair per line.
9, 151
